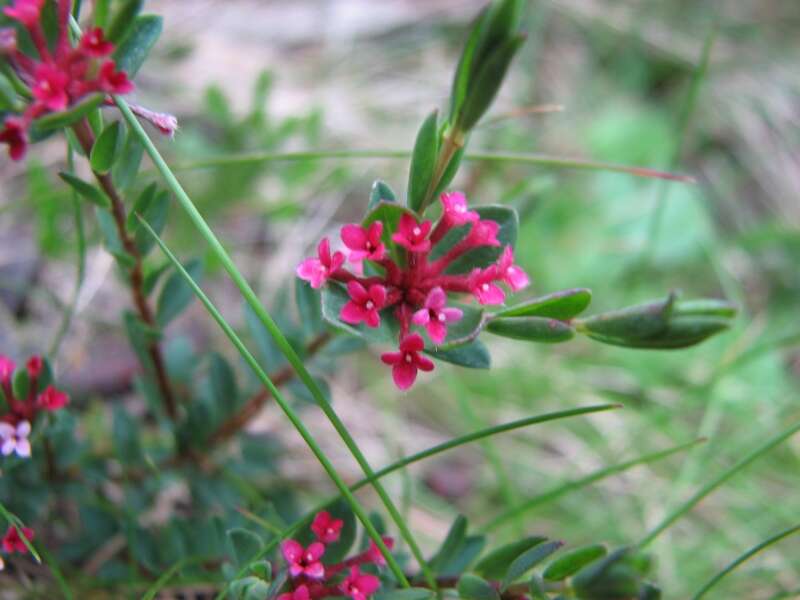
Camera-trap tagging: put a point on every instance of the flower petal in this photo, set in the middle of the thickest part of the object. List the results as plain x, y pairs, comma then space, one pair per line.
354, 236
404, 374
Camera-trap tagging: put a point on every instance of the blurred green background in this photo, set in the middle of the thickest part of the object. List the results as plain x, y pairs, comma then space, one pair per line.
253, 77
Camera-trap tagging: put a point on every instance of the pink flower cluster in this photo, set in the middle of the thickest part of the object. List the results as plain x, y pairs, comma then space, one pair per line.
62, 75
311, 580
417, 287
12, 542
15, 424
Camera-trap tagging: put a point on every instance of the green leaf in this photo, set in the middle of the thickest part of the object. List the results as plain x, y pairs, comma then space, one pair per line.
65, 118
537, 588
223, 384
245, 544
125, 437
573, 561
108, 228
527, 560
308, 306
153, 207
464, 69
380, 192
487, 82
423, 162
334, 297
134, 48
450, 171
8, 97
86, 190
123, 20
508, 221
405, 594
461, 561
451, 544
592, 577
127, 166
495, 564
532, 329
472, 587
176, 294
563, 305
20, 383
106, 148
474, 355
250, 588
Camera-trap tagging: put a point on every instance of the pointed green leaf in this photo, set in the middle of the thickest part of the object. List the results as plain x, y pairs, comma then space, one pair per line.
495, 564
532, 329
563, 305
474, 355
123, 20
527, 560
127, 166
223, 384
86, 190
405, 594
245, 544
140, 39
176, 294
472, 587
423, 162
308, 305
451, 544
107, 148
380, 192
573, 561
153, 206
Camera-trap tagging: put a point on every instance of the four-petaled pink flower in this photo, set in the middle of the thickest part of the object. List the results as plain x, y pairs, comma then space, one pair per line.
435, 315
52, 399
112, 81
407, 361
12, 540
300, 593
364, 304
26, 12
358, 585
50, 87
454, 206
93, 43
484, 233
318, 270
14, 134
326, 528
374, 553
412, 235
364, 243
482, 286
510, 273
14, 438
304, 561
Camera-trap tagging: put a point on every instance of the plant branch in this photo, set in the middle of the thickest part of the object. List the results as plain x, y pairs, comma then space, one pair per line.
86, 138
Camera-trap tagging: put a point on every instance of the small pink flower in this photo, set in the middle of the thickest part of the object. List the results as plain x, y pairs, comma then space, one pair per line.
364, 243
358, 585
510, 273
34, 365
484, 233
318, 270
94, 44
52, 399
412, 235
455, 211
50, 87
483, 287
434, 316
15, 135
304, 561
12, 541
326, 528
364, 304
15, 439
300, 593
407, 361
374, 554
112, 81
7, 367
26, 12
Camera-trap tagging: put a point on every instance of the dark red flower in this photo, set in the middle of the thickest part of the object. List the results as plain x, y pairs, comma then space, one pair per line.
318, 270
34, 366
484, 233
412, 235
299, 593
112, 81
50, 87
364, 305
304, 561
358, 585
12, 541
15, 135
407, 361
364, 243
52, 399
435, 315
94, 44
326, 528
374, 553
26, 12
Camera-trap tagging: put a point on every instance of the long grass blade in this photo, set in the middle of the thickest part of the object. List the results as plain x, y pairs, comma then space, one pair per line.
539, 160
714, 483
577, 484
744, 557
358, 510
165, 578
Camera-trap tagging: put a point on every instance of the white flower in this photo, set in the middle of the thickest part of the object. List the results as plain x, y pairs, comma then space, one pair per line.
15, 439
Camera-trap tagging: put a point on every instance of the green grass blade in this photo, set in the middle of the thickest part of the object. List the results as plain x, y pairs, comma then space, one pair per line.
744, 557
571, 486
280, 340
538, 160
358, 510
718, 481
438, 449
165, 578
